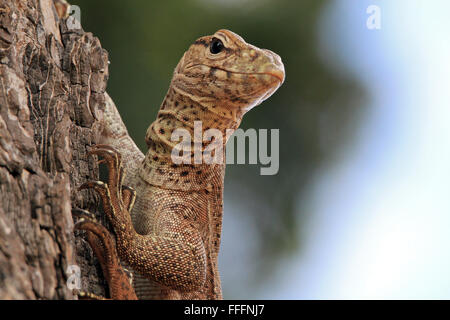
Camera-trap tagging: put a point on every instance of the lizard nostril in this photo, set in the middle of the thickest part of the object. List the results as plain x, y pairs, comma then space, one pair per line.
275, 58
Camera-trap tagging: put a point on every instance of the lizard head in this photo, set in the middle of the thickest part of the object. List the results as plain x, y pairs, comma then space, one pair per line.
224, 71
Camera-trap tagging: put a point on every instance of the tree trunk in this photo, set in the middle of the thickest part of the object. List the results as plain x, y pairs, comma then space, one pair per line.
53, 80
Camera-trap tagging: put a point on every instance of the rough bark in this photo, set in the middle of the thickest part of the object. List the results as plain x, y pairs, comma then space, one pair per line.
52, 85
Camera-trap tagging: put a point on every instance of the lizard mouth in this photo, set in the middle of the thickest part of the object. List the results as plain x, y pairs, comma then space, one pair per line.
276, 73
277, 76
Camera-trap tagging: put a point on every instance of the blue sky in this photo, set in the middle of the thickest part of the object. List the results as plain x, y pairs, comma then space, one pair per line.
384, 229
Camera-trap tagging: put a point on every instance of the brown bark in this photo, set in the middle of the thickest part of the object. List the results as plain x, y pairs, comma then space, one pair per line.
52, 85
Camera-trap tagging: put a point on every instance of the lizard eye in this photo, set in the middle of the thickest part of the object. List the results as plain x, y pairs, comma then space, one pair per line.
216, 46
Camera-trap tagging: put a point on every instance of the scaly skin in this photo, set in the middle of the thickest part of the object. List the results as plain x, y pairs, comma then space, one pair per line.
171, 237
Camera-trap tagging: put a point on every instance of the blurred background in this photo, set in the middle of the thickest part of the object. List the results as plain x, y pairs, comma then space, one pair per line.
360, 208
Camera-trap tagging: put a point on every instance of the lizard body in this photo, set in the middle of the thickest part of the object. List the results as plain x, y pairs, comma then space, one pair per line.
171, 236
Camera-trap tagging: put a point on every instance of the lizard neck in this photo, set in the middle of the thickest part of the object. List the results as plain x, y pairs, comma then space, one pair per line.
180, 110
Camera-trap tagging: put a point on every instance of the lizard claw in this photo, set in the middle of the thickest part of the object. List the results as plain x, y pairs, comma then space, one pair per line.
103, 190
106, 151
83, 214
117, 201
98, 186
113, 159
93, 185
83, 295
129, 274
128, 197
104, 146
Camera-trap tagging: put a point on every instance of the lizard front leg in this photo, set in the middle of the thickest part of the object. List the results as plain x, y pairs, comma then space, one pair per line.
102, 243
175, 257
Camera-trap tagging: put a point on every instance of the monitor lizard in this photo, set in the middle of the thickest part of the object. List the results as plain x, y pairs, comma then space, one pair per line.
169, 235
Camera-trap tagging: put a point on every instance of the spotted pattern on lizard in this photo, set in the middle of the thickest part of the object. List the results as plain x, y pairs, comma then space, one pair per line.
171, 236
